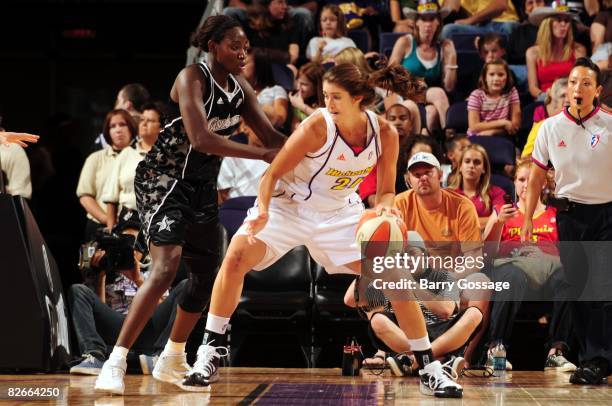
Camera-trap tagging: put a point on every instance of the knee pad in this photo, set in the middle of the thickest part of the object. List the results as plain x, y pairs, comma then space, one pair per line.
196, 294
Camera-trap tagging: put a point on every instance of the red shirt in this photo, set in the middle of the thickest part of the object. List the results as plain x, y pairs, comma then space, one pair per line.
496, 194
368, 186
547, 74
544, 232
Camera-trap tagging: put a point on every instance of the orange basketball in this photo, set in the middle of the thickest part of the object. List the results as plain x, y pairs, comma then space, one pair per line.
375, 232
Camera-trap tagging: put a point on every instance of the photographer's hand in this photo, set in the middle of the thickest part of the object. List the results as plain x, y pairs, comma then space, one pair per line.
134, 274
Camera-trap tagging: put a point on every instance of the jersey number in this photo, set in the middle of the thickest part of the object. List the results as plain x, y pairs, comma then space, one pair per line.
346, 183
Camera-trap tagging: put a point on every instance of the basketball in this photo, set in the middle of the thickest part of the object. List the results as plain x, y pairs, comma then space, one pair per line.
382, 234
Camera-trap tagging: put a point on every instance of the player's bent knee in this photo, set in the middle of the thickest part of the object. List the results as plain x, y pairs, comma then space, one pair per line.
473, 315
379, 323
196, 294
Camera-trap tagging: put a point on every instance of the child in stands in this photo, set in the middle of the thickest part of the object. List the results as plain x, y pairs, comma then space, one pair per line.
494, 108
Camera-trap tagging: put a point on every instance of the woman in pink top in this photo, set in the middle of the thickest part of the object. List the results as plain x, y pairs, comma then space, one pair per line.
473, 180
555, 50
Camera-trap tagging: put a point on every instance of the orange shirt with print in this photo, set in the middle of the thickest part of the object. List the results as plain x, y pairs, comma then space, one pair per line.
449, 230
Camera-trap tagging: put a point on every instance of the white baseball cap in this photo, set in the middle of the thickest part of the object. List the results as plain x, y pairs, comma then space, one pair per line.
424, 157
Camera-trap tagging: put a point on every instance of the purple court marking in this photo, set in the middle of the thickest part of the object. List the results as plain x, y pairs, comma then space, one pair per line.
319, 394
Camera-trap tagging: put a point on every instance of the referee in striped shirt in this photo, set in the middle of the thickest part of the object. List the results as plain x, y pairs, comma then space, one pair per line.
577, 142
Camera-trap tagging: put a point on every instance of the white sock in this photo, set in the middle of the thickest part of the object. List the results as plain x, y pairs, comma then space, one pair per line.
118, 354
217, 324
419, 344
173, 348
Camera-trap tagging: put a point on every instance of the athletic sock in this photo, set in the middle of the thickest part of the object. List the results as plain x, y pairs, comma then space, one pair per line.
216, 326
421, 348
118, 354
173, 348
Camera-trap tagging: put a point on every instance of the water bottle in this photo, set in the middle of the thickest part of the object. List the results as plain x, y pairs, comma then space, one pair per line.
351, 359
499, 360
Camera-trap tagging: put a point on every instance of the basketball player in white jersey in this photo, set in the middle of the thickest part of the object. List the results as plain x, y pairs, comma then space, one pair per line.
307, 197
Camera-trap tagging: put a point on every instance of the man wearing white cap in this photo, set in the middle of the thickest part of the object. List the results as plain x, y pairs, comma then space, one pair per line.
448, 223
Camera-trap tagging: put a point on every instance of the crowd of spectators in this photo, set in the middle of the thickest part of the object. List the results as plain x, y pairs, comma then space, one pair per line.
505, 60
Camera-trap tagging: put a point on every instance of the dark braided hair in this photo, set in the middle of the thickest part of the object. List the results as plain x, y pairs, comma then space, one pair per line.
214, 28
397, 79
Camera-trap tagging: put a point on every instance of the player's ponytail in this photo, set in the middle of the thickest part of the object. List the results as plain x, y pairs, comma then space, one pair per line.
395, 78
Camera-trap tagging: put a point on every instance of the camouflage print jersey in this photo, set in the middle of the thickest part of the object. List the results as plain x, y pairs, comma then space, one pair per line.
172, 163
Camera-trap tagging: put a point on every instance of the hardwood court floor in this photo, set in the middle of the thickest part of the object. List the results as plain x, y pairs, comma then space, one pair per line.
270, 386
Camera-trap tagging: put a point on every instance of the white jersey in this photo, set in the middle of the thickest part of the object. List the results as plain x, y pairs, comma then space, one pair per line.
327, 179
581, 156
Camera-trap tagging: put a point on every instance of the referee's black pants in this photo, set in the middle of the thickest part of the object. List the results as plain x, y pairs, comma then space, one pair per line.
585, 234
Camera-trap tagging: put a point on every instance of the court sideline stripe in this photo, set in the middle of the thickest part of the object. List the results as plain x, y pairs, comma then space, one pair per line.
248, 399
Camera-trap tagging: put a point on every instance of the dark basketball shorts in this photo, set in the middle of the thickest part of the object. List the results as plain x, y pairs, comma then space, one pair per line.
178, 212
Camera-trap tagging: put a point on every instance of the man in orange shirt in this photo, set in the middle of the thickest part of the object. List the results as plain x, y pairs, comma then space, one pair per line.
448, 223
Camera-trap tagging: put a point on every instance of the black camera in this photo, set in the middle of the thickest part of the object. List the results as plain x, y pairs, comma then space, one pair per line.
119, 253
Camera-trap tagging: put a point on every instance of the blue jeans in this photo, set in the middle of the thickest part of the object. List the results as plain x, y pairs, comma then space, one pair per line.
97, 326
505, 28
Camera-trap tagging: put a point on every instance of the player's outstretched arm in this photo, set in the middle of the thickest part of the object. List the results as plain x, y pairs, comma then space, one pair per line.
387, 165
254, 116
188, 90
7, 137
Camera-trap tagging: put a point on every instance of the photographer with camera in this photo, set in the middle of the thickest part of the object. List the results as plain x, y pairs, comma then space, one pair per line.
112, 275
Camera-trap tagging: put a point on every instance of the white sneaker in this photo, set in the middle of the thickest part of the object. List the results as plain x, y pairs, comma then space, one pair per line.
171, 368
205, 370
111, 377
436, 381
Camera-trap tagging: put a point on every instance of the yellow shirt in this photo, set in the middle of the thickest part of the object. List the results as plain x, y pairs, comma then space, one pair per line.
473, 6
528, 148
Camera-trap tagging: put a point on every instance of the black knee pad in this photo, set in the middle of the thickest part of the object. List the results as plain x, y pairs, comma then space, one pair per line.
202, 271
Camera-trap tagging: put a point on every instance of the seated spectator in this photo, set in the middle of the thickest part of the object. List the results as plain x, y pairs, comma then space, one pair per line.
309, 94
299, 13
601, 36
269, 27
555, 50
97, 317
557, 95
333, 37
523, 37
119, 129
484, 16
490, 48
239, 176
473, 180
424, 55
494, 108
271, 97
130, 98
400, 117
454, 148
449, 329
556, 98
118, 192
14, 168
534, 267
369, 15
448, 223
401, 15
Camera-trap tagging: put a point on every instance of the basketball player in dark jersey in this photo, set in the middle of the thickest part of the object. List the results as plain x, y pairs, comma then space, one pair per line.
176, 192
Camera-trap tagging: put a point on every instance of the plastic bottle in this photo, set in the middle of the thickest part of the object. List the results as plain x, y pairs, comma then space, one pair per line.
499, 360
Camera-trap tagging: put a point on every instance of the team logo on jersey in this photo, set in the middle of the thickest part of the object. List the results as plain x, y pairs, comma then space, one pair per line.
220, 101
370, 155
594, 140
238, 103
217, 124
341, 157
562, 144
165, 224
